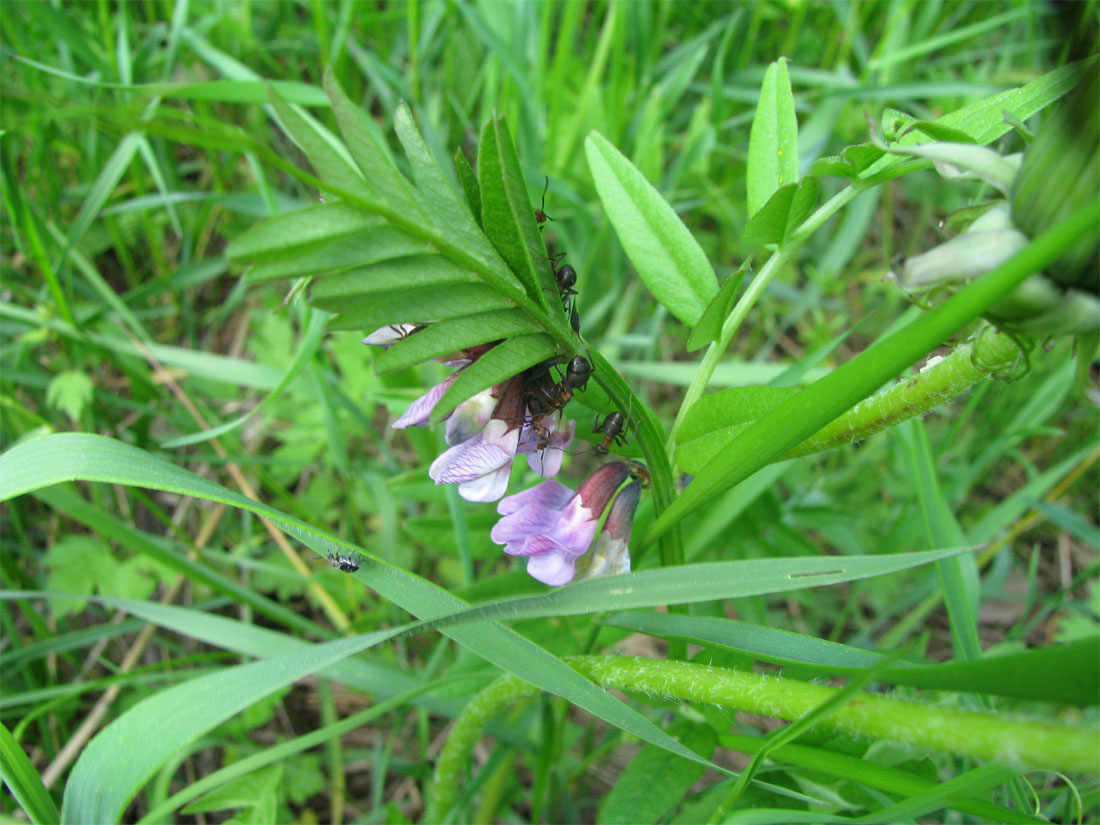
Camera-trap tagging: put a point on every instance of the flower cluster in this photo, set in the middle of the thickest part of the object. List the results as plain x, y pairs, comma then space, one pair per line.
553, 527
550, 525
485, 432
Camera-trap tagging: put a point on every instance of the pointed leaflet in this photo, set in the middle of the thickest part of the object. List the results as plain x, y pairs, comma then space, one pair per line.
370, 246
714, 316
773, 141
506, 359
451, 212
468, 177
415, 306
371, 154
450, 336
782, 214
402, 273
300, 231
507, 215
331, 167
667, 257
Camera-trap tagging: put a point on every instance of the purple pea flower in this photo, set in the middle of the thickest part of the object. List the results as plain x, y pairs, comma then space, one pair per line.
481, 464
553, 526
419, 412
610, 555
547, 461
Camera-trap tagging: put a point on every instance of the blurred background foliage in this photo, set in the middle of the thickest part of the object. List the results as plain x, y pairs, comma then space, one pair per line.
132, 153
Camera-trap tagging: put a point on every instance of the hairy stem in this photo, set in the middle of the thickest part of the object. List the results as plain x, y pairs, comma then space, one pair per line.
987, 353
995, 737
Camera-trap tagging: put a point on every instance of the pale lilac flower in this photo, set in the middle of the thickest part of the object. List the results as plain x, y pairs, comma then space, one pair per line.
470, 417
610, 554
553, 526
386, 337
547, 461
419, 412
481, 464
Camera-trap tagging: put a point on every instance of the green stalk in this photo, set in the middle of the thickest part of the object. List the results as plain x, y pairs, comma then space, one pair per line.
1026, 744
774, 264
788, 425
987, 353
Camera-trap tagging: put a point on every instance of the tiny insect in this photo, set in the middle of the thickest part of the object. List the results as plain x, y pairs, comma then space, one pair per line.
540, 216
565, 276
345, 562
639, 473
612, 429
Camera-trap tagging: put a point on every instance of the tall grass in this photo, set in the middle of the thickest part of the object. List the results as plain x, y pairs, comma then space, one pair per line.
185, 446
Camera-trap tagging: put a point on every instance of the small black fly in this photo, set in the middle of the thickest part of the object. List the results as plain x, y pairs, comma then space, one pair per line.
345, 562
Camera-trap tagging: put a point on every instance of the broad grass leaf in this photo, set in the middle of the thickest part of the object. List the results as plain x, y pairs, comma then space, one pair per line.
709, 326
636, 797
773, 141
25, 783
714, 420
70, 456
121, 758
63, 499
801, 416
782, 214
1022, 675
667, 257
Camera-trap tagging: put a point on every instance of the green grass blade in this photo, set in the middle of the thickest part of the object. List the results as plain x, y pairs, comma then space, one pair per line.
65, 457
121, 758
311, 340
799, 418
1023, 675
25, 783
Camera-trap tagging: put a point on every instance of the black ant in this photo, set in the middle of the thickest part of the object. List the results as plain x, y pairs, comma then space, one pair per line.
612, 429
345, 562
540, 216
566, 278
543, 395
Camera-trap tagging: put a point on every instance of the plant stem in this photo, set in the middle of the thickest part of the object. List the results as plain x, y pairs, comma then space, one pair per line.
994, 737
987, 353
774, 264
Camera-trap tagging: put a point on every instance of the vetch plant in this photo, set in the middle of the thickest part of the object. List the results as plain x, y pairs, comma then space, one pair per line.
660, 505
